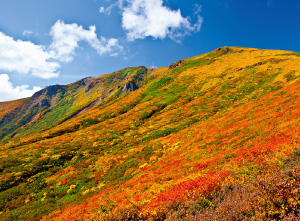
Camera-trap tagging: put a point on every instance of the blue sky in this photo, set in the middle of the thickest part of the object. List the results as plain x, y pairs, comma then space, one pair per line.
60, 41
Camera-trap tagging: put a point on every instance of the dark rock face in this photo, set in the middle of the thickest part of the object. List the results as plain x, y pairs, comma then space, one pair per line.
91, 105
85, 81
92, 85
53, 90
81, 82
43, 103
175, 65
49, 91
130, 86
223, 50
89, 88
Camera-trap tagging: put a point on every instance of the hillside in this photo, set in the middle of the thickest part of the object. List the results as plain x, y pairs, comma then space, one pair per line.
213, 137
58, 103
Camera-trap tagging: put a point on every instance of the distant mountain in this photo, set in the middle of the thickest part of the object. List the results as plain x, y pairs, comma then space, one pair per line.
213, 137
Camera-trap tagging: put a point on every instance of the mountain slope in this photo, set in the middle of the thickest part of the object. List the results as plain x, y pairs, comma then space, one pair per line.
166, 149
56, 104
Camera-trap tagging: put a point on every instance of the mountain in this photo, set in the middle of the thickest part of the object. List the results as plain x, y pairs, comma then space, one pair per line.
58, 103
213, 137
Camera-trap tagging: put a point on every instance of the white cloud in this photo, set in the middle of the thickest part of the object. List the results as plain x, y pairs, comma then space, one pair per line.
27, 33
66, 37
101, 9
108, 9
198, 24
26, 58
142, 18
9, 92
42, 61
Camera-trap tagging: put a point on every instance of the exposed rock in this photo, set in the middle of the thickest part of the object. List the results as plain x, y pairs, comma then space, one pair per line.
151, 69
43, 103
175, 65
223, 50
49, 91
92, 85
81, 111
91, 105
254, 65
130, 86
127, 75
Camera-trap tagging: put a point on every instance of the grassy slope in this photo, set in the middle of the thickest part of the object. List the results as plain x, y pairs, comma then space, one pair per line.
54, 104
219, 119
6, 107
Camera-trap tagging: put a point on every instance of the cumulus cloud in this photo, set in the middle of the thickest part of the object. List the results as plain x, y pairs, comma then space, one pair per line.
9, 92
66, 37
26, 58
42, 61
143, 18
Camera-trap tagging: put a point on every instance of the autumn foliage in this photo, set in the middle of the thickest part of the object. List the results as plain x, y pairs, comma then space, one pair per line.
213, 137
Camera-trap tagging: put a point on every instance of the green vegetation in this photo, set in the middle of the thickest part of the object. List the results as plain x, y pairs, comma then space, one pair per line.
211, 137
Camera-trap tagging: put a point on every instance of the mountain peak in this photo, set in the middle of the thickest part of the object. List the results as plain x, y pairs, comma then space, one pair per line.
185, 140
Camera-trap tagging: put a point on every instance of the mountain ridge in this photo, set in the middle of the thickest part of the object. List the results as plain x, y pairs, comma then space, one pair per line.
44, 100
185, 145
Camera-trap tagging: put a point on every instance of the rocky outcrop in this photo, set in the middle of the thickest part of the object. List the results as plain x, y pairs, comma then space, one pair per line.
175, 65
130, 86
49, 91
43, 103
91, 105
